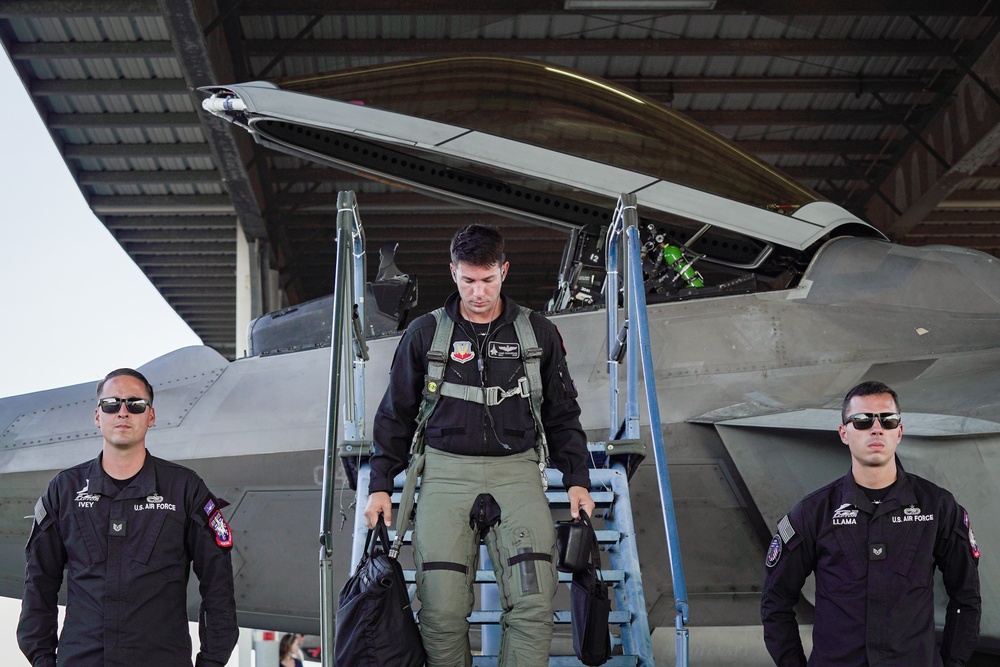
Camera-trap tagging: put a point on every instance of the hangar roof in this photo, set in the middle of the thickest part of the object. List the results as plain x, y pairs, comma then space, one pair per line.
889, 109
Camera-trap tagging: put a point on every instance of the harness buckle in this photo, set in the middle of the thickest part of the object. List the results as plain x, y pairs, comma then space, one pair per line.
496, 395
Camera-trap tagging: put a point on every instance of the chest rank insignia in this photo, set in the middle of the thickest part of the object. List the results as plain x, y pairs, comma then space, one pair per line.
461, 351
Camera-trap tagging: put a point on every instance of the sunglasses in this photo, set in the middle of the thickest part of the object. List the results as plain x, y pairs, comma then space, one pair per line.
112, 404
864, 420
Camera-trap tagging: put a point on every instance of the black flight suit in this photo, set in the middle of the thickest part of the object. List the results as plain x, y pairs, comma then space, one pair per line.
127, 554
874, 568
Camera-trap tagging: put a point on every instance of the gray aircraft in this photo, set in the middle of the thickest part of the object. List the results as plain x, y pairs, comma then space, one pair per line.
766, 303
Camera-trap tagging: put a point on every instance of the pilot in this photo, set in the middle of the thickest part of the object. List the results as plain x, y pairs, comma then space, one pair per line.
482, 476
126, 527
873, 539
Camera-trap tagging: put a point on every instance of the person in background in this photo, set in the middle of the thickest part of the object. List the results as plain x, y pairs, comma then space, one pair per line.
286, 651
873, 538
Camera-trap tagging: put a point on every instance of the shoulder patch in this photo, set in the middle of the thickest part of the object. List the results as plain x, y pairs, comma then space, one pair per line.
40, 512
973, 545
223, 535
773, 551
785, 529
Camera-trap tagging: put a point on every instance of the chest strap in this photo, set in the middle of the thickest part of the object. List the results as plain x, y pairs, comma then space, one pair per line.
485, 395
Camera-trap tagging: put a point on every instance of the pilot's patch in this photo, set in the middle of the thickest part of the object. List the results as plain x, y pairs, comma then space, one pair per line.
972, 538
209, 506
223, 536
504, 350
461, 351
773, 551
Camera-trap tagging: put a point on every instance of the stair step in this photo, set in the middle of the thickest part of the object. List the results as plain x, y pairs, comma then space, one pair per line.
489, 577
603, 536
492, 616
561, 661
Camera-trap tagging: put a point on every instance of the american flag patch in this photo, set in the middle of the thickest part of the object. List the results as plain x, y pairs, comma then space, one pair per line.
785, 529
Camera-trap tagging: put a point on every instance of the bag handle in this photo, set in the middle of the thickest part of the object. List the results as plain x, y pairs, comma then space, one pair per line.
595, 549
381, 535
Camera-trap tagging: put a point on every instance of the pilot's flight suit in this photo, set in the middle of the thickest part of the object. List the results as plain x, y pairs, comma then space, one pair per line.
127, 554
481, 467
874, 568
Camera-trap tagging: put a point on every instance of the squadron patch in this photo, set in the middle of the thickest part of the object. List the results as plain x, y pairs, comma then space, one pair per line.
972, 538
461, 351
223, 536
773, 551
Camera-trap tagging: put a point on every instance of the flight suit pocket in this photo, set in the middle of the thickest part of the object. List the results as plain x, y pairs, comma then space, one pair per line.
94, 549
907, 563
149, 537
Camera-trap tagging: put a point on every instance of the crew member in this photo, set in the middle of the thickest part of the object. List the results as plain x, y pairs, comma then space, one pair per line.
873, 539
126, 526
482, 476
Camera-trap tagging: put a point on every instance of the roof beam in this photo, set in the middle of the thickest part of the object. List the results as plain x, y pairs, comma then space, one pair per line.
600, 47
170, 222
169, 119
161, 204
511, 7
59, 8
83, 50
813, 146
769, 84
160, 235
965, 132
205, 65
56, 87
144, 177
125, 151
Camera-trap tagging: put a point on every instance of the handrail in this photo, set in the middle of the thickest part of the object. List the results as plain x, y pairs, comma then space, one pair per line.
348, 295
637, 346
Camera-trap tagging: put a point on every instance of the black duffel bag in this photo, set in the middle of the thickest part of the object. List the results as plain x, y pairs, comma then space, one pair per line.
375, 625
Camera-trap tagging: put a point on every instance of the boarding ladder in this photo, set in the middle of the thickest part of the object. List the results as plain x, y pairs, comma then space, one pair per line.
611, 460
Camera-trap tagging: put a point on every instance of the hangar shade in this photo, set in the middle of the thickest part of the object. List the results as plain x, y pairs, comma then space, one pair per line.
563, 110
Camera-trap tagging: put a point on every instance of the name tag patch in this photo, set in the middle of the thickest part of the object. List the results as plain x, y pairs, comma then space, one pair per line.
504, 350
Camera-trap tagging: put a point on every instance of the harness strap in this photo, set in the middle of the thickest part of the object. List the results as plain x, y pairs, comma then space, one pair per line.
493, 395
531, 356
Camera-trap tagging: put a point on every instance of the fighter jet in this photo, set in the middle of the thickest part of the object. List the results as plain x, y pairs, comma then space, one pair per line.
766, 304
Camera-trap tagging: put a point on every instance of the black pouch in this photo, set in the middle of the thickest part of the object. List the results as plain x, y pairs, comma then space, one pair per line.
591, 608
573, 544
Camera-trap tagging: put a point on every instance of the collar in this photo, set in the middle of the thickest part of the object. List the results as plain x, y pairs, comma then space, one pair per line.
901, 494
143, 485
510, 309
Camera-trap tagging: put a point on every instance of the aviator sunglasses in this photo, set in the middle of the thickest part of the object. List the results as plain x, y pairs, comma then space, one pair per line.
864, 420
112, 404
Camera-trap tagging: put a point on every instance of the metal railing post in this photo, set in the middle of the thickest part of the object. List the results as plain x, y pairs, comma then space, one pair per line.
638, 349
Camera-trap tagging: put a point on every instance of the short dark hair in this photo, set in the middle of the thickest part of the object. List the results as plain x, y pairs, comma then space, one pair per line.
478, 245
131, 372
869, 388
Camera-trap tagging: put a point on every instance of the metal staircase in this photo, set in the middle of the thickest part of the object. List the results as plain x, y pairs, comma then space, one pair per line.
611, 460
